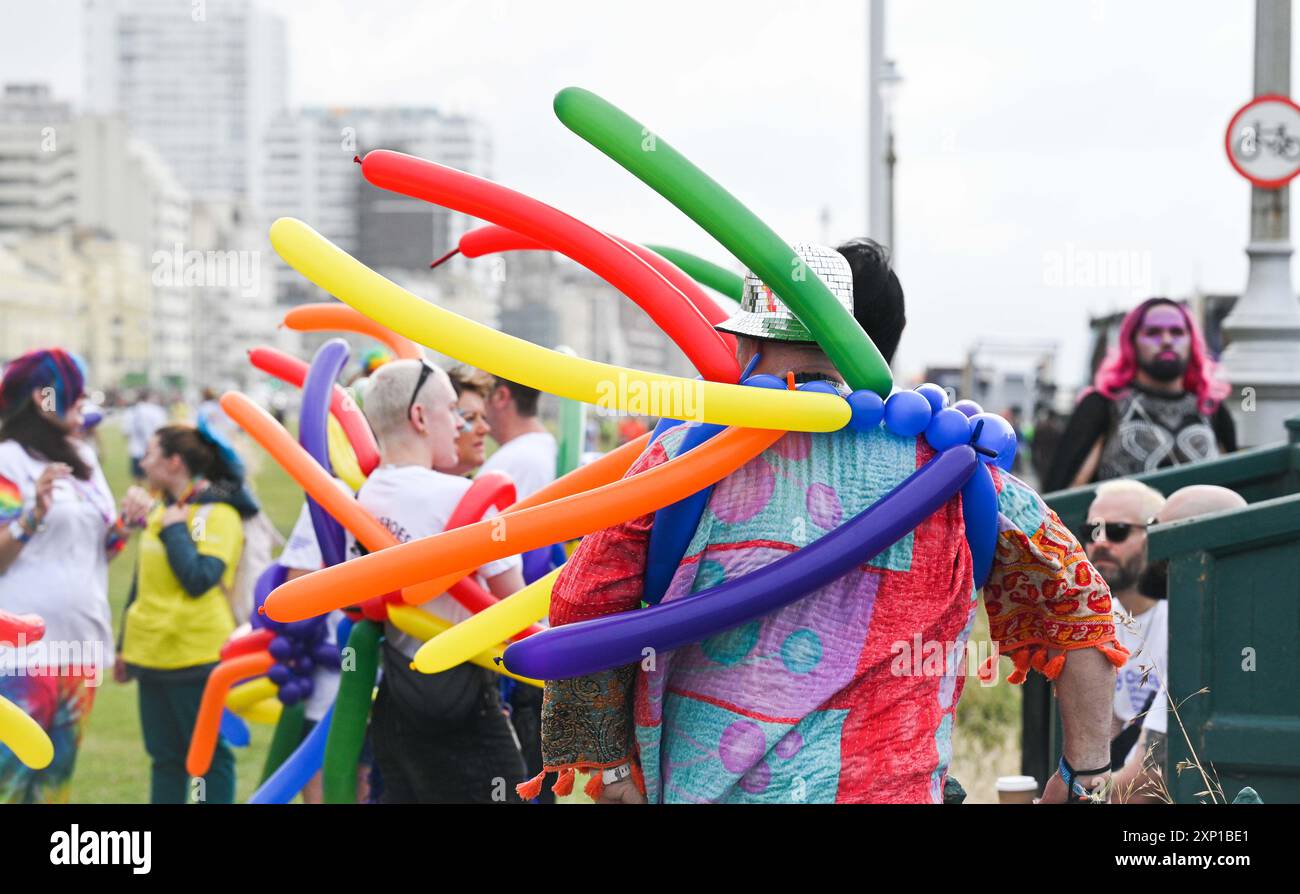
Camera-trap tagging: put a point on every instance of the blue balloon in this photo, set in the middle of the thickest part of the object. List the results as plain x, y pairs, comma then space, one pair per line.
866, 409
304, 666
289, 693
968, 407
298, 768
765, 380
979, 509
937, 397
281, 648
662, 426
233, 729
675, 525
279, 674
947, 429
907, 413
995, 439
819, 386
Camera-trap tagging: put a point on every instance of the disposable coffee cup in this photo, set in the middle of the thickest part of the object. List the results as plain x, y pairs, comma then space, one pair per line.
1017, 789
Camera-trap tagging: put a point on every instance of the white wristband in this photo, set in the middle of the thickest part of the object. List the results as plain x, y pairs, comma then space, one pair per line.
616, 774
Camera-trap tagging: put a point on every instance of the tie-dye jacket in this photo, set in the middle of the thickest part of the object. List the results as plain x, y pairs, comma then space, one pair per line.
845, 695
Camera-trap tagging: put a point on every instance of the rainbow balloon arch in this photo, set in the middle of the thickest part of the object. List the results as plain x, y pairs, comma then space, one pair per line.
731, 417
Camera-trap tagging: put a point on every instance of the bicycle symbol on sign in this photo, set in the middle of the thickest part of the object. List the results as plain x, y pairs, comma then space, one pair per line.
1277, 141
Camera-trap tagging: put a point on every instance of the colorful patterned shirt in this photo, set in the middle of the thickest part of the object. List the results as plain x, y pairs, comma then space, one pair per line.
845, 695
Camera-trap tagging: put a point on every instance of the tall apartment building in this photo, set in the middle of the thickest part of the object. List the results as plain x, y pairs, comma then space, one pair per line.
198, 81
61, 172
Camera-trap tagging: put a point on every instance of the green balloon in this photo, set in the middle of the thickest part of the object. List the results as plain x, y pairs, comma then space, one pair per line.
573, 429
351, 711
706, 273
286, 738
754, 244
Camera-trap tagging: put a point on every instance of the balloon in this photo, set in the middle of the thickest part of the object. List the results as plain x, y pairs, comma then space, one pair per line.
256, 641
520, 361
24, 629
245, 695
343, 459
279, 674
268, 580
720, 279
866, 409
313, 434
328, 316
765, 380
907, 413
968, 408
342, 406
995, 439
573, 429
491, 239
675, 525
234, 730
519, 530
586, 647
29, 742
266, 711
347, 732
422, 625
947, 429
342, 506
979, 509
820, 387
296, 770
937, 397
488, 628
203, 741
750, 240
281, 648
285, 738
679, 319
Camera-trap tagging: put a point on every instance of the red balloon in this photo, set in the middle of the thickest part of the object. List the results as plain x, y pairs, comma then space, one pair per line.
493, 239
256, 641
28, 628
288, 368
680, 320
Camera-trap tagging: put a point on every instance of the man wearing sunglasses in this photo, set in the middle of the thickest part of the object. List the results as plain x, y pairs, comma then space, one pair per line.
1116, 543
440, 738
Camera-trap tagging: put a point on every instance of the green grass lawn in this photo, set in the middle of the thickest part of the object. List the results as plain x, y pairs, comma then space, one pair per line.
113, 766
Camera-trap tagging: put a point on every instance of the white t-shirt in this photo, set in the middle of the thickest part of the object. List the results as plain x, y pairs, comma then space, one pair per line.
1146, 636
528, 459
414, 502
142, 420
61, 574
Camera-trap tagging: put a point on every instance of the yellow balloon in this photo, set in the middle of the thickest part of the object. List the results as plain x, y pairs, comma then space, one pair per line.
487, 628
343, 460
266, 711
422, 625
245, 695
25, 736
607, 386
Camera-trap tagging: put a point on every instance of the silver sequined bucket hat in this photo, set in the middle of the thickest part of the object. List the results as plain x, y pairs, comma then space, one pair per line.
763, 315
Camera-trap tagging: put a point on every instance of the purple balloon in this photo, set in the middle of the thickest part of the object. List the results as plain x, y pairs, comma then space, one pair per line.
937, 397
326, 655
968, 407
907, 413
313, 435
272, 577
303, 666
586, 647
947, 429
281, 648
866, 409
290, 694
279, 674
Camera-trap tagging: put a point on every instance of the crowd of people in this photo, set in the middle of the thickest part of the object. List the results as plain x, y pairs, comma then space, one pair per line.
799, 705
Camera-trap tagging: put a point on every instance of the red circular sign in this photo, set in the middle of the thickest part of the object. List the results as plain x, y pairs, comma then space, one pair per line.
1263, 141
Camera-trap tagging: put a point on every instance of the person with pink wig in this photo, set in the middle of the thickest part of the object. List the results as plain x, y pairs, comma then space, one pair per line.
1155, 402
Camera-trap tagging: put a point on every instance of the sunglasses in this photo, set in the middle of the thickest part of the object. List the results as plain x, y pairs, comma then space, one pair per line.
426, 369
1114, 532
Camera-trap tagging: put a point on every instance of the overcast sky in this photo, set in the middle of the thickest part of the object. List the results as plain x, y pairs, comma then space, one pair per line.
1033, 138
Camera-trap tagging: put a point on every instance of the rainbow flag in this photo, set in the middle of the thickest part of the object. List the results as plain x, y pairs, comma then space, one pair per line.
11, 500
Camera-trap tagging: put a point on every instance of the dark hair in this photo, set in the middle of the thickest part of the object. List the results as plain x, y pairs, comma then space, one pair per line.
200, 455
469, 378
877, 294
44, 436
525, 398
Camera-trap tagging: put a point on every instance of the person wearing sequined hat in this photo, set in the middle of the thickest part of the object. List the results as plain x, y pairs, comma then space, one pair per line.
814, 702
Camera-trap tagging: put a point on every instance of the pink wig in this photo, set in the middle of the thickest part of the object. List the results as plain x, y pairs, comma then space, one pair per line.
1117, 371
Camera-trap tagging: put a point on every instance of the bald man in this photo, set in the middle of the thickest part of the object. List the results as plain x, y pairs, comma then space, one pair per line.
1137, 782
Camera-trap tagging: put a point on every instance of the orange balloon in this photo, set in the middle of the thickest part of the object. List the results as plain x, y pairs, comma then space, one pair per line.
328, 317
519, 530
203, 741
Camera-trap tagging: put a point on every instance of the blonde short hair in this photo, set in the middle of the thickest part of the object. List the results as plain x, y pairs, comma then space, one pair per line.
1150, 500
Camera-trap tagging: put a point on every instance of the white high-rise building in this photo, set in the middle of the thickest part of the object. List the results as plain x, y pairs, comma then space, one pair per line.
198, 81
61, 172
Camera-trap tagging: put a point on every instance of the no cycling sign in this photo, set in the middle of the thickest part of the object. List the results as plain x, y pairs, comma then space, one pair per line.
1263, 141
